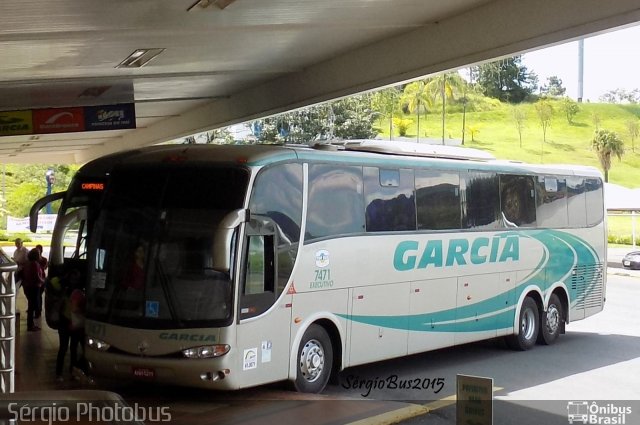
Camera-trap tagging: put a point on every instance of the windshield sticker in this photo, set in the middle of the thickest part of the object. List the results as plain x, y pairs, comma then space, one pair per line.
250, 359
152, 309
266, 351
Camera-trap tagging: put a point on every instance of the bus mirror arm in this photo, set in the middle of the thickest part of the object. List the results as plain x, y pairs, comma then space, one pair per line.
224, 235
38, 205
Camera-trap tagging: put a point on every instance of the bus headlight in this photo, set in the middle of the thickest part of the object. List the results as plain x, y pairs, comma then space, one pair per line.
96, 344
206, 351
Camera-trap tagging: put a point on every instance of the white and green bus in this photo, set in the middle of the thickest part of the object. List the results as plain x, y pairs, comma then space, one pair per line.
226, 267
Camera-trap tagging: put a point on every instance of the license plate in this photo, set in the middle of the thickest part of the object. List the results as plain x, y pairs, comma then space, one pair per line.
626, 263
143, 372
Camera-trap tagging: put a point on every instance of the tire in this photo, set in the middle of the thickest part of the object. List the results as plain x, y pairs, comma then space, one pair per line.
529, 324
551, 321
314, 360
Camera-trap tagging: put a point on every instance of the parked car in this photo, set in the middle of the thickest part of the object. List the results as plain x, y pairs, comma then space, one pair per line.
632, 260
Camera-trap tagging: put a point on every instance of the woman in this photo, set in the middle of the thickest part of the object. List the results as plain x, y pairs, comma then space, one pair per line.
32, 282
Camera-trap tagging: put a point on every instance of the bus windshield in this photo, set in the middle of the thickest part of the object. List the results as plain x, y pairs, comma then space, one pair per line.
150, 264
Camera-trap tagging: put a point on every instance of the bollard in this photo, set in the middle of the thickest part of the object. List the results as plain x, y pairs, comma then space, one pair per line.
7, 324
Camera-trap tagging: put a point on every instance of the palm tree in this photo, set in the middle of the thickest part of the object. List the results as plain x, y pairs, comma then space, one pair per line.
417, 99
606, 144
444, 86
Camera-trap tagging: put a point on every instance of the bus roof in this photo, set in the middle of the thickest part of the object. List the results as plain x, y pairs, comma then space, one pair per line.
364, 152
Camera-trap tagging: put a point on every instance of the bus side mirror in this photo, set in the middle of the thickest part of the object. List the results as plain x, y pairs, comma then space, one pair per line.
222, 239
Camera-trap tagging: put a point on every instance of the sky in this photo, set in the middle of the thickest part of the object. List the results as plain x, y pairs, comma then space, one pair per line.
611, 60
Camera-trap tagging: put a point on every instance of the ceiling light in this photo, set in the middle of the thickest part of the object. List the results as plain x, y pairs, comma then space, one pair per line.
139, 58
220, 4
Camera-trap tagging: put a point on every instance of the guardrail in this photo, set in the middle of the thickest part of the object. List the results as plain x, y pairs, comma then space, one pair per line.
7, 323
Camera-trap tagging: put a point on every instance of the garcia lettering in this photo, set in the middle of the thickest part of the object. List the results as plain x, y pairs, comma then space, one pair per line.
411, 255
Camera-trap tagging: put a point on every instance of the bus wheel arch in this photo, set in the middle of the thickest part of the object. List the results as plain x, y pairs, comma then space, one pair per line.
314, 360
527, 322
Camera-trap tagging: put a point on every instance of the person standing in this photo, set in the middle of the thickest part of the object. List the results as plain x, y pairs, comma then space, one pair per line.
20, 258
71, 327
44, 263
32, 282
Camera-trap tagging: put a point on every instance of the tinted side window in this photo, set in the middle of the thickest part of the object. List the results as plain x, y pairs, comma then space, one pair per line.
389, 200
595, 202
518, 200
481, 200
551, 202
277, 195
336, 201
576, 202
438, 200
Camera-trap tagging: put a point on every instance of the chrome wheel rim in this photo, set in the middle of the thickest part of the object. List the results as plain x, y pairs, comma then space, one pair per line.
312, 360
528, 325
553, 319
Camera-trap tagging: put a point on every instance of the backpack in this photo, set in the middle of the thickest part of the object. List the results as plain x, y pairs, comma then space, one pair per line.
54, 299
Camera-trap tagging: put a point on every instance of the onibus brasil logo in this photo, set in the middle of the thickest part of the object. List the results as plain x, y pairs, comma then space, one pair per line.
597, 413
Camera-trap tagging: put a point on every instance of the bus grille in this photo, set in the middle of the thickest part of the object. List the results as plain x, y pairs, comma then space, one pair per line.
587, 282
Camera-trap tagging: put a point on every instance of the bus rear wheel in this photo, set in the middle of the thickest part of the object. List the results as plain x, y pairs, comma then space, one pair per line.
529, 326
314, 360
551, 321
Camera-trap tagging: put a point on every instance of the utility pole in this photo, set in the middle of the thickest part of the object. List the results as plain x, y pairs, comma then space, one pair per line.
580, 69
50, 177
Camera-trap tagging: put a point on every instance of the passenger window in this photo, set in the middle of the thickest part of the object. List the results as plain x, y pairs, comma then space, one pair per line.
518, 201
576, 202
595, 201
336, 201
552, 202
389, 200
481, 201
438, 200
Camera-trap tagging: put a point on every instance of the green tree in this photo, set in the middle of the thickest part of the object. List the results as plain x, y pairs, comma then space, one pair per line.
219, 136
417, 99
348, 118
386, 103
570, 108
519, 119
506, 79
633, 131
544, 110
607, 144
596, 120
354, 118
301, 126
553, 87
24, 184
20, 200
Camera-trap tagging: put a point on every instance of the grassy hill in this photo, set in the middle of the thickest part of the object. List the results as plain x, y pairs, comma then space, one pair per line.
566, 143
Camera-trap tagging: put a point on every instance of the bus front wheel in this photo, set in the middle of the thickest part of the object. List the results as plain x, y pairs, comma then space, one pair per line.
551, 321
529, 323
314, 360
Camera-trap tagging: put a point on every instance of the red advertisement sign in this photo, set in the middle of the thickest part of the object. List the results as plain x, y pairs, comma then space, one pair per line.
58, 120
